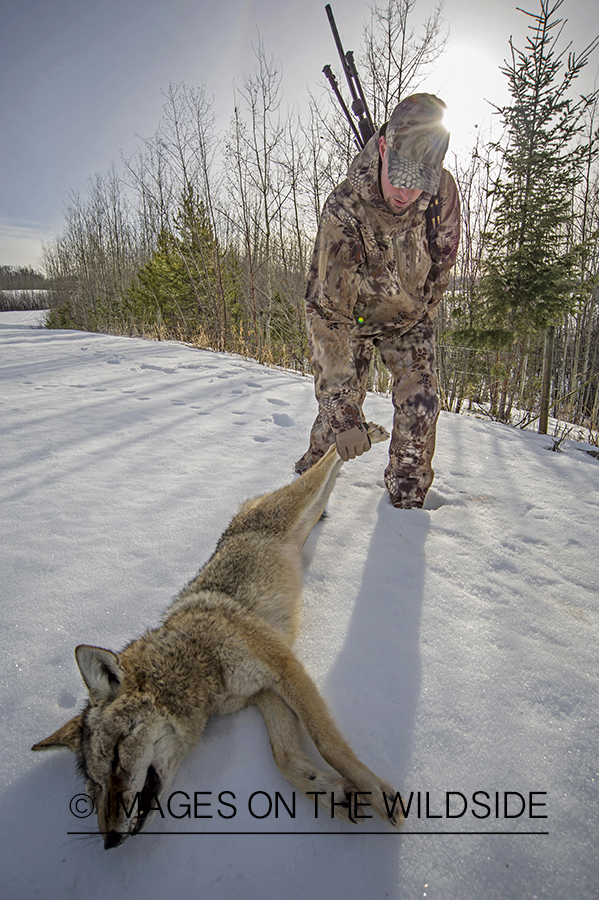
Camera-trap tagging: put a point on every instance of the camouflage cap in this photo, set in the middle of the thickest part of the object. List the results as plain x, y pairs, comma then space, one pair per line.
416, 143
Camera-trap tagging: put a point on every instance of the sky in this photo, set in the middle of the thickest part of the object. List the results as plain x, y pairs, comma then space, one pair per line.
456, 646
82, 82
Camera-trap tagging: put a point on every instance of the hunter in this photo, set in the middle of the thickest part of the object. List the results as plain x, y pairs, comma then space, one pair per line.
387, 239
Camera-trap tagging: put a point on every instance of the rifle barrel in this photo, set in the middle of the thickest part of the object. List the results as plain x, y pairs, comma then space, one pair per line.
359, 105
340, 50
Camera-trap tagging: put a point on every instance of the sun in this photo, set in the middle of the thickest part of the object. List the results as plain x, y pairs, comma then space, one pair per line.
469, 82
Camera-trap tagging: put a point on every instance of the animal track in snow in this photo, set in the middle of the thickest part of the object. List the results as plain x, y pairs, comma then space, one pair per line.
169, 371
283, 420
529, 539
67, 700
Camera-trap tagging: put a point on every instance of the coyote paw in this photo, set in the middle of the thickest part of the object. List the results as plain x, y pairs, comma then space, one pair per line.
390, 806
344, 799
352, 804
377, 433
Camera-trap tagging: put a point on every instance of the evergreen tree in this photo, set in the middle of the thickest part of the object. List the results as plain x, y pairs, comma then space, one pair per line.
529, 274
162, 288
189, 283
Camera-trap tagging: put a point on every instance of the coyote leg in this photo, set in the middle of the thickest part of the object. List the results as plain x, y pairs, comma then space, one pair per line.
317, 481
285, 740
292, 510
293, 685
320, 479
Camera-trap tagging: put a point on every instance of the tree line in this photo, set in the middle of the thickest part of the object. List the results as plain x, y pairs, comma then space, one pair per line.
207, 237
21, 287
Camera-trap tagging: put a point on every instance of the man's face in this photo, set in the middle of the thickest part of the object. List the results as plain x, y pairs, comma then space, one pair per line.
397, 199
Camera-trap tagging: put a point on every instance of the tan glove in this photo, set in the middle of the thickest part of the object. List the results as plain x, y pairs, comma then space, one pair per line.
352, 443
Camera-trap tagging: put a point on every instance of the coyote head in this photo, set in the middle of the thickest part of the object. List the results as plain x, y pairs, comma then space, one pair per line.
127, 748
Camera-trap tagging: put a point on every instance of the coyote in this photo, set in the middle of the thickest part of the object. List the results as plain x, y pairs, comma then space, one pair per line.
225, 642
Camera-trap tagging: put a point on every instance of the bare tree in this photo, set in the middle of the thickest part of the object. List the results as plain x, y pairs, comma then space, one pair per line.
264, 163
94, 257
396, 59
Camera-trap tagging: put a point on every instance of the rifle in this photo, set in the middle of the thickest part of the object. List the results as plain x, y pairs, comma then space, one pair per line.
359, 105
362, 113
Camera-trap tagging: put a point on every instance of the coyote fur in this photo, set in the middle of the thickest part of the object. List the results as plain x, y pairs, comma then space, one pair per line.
225, 642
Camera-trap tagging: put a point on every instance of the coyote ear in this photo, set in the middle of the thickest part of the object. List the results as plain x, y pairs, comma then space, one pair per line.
101, 671
67, 736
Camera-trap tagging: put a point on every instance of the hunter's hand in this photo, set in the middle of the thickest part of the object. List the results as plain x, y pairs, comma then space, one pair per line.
352, 443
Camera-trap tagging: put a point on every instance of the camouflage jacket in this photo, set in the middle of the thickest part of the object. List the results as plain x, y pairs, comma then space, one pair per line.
372, 273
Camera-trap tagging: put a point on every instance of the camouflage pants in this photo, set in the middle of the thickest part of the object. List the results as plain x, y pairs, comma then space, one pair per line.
410, 358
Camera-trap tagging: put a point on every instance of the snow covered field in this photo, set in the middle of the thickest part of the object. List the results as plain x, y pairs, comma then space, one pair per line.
457, 646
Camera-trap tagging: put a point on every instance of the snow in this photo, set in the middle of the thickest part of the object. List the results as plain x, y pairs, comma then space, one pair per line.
456, 645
